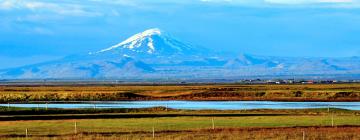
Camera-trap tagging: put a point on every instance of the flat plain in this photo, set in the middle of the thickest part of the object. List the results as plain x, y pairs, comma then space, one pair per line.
229, 92
167, 123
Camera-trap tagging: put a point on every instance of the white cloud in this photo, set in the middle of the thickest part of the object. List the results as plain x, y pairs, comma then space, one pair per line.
216, 0
233, 1
306, 1
60, 8
340, 3
118, 2
336, 1
7, 4
81, 7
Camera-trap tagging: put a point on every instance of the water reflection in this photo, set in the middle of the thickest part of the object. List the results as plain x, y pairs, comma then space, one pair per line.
194, 105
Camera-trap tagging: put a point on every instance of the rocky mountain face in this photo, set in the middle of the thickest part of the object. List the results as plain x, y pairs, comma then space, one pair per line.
156, 54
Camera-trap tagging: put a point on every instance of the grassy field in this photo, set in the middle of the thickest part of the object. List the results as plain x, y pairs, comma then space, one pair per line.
187, 124
143, 127
328, 92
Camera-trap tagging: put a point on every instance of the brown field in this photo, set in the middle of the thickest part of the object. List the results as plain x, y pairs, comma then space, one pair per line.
286, 133
316, 92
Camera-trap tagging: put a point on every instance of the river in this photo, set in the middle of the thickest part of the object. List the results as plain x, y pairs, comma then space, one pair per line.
193, 105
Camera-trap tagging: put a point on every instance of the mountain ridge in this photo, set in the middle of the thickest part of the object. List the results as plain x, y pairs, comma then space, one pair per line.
156, 54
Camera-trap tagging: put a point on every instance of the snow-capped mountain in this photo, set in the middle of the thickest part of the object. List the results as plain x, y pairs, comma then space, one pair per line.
153, 43
156, 54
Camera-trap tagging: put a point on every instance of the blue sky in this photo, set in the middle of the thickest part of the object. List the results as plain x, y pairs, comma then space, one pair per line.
32, 31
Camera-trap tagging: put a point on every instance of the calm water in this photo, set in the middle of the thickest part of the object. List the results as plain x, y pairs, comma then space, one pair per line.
197, 105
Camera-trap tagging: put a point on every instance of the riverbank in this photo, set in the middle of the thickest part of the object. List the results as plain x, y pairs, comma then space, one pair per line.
320, 92
22, 114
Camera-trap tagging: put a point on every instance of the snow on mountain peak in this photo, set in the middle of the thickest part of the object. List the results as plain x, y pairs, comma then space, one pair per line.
136, 40
153, 43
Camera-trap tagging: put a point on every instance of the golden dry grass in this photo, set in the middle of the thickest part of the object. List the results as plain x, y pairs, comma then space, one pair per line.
326, 92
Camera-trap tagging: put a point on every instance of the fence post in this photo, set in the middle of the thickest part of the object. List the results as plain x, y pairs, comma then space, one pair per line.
244, 107
332, 120
153, 132
46, 106
75, 128
166, 107
26, 133
303, 135
213, 123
